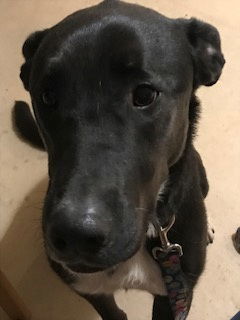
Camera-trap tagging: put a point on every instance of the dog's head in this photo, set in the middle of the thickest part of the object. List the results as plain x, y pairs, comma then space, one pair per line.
111, 87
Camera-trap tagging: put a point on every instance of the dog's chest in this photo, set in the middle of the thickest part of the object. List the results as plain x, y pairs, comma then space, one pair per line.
139, 272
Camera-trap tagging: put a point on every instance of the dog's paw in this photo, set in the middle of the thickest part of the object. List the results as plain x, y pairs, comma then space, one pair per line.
210, 234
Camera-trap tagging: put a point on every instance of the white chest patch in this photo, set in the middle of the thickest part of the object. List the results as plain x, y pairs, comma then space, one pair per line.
139, 272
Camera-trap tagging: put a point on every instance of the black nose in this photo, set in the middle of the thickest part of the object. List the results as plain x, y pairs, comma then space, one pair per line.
73, 234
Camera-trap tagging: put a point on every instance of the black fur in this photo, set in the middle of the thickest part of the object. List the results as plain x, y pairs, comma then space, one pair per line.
107, 157
25, 126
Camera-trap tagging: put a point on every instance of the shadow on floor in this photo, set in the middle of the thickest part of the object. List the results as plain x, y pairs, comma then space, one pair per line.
24, 261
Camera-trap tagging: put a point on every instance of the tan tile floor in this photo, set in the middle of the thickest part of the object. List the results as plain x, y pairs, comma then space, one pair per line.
24, 174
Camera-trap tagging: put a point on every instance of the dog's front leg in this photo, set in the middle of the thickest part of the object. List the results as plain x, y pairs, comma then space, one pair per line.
106, 306
161, 309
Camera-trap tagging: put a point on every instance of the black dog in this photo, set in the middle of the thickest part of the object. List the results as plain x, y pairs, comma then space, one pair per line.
113, 91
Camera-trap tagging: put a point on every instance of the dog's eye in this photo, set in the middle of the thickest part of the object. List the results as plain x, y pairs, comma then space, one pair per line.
144, 95
49, 98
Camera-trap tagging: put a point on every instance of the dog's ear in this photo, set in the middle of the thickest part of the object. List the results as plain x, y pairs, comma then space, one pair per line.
29, 49
24, 125
205, 46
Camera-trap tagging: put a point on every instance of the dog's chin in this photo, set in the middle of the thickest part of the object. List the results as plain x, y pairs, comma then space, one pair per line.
93, 265
80, 268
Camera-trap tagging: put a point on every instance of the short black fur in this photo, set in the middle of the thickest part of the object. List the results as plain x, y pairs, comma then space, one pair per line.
108, 157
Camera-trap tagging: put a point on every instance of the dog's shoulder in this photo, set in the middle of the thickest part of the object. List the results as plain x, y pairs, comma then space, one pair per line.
188, 176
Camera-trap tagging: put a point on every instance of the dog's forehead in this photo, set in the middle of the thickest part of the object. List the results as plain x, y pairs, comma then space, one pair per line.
126, 36
134, 38
114, 42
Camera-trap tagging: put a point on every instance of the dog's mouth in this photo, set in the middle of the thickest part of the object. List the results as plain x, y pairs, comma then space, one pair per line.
80, 268
86, 265
91, 265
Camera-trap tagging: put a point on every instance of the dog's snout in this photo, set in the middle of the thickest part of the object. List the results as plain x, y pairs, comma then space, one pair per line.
74, 233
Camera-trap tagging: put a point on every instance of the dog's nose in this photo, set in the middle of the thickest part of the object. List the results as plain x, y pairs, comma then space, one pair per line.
73, 234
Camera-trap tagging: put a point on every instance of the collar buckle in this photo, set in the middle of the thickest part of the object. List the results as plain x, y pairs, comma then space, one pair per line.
166, 246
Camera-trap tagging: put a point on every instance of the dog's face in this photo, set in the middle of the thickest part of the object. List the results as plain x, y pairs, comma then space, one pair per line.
111, 87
